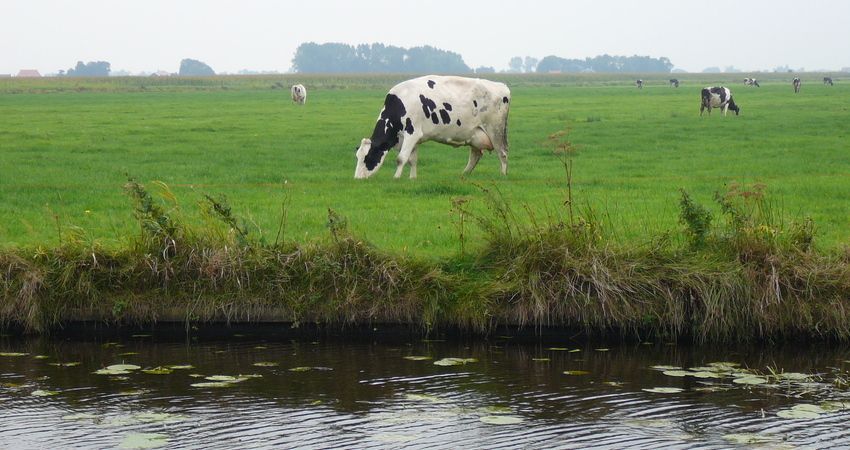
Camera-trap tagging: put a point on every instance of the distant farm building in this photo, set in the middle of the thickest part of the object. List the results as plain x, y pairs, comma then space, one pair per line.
28, 73
163, 73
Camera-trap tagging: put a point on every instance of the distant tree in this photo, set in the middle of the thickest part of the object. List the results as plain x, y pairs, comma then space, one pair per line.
515, 64
731, 69
311, 57
485, 69
194, 68
712, 69
530, 64
89, 69
785, 68
605, 63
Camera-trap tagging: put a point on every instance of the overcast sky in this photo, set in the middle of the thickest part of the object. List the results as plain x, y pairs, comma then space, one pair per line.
150, 35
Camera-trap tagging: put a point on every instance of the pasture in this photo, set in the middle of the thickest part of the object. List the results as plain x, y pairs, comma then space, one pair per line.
67, 147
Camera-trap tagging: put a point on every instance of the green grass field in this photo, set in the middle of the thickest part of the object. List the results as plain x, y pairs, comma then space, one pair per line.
67, 146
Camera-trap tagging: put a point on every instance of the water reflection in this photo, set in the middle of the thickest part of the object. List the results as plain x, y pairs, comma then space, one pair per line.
361, 392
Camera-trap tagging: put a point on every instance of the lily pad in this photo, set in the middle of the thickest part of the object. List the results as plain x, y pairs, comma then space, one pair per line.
797, 414
143, 440
793, 376
300, 369
40, 357
67, 364
576, 372
417, 358
43, 393
705, 374
266, 364
750, 438
159, 370
540, 359
677, 373
752, 380
128, 354
664, 390
123, 367
501, 420
423, 398
601, 349
108, 371
661, 367
182, 367
13, 354
213, 384
575, 350
454, 361
223, 378
557, 349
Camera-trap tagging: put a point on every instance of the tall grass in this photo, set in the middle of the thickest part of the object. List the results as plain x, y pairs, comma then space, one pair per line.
751, 277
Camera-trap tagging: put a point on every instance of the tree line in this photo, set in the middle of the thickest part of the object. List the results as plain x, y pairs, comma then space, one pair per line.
311, 57
188, 67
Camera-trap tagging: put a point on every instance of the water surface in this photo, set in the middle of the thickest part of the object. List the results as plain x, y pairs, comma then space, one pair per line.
271, 388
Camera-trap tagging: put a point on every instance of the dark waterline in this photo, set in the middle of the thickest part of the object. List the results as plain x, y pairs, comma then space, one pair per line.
360, 392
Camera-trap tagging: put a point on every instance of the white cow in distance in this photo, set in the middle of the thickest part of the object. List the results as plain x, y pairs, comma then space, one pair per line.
447, 109
299, 94
717, 97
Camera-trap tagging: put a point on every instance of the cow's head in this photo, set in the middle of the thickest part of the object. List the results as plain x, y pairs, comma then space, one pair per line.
734, 107
367, 164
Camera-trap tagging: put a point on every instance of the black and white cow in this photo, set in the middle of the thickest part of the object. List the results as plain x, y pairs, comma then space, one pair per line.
718, 97
797, 84
299, 94
674, 82
751, 82
639, 84
827, 81
447, 109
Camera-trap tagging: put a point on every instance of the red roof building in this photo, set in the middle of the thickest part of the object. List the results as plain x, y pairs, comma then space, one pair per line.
29, 73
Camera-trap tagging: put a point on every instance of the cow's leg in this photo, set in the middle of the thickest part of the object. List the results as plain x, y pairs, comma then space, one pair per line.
414, 158
408, 145
474, 156
724, 108
503, 158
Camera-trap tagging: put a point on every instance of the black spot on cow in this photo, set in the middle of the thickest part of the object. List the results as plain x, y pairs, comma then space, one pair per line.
387, 128
458, 122
505, 100
475, 103
447, 106
408, 127
431, 83
445, 116
428, 106
719, 91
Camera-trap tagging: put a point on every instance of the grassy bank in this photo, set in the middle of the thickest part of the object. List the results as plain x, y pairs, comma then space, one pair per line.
746, 273
66, 152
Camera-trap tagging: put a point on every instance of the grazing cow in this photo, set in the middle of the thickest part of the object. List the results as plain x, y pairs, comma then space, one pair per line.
674, 82
718, 97
299, 94
797, 83
751, 82
447, 109
827, 81
639, 84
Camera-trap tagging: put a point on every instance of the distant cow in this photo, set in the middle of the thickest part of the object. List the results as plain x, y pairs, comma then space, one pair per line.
827, 81
797, 83
718, 97
299, 94
639, 84
674, 82
751, 82
447, 109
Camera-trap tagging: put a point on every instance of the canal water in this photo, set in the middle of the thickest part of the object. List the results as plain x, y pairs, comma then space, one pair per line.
265, 387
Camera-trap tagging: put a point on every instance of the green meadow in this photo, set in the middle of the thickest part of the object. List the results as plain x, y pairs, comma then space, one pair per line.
68, 146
